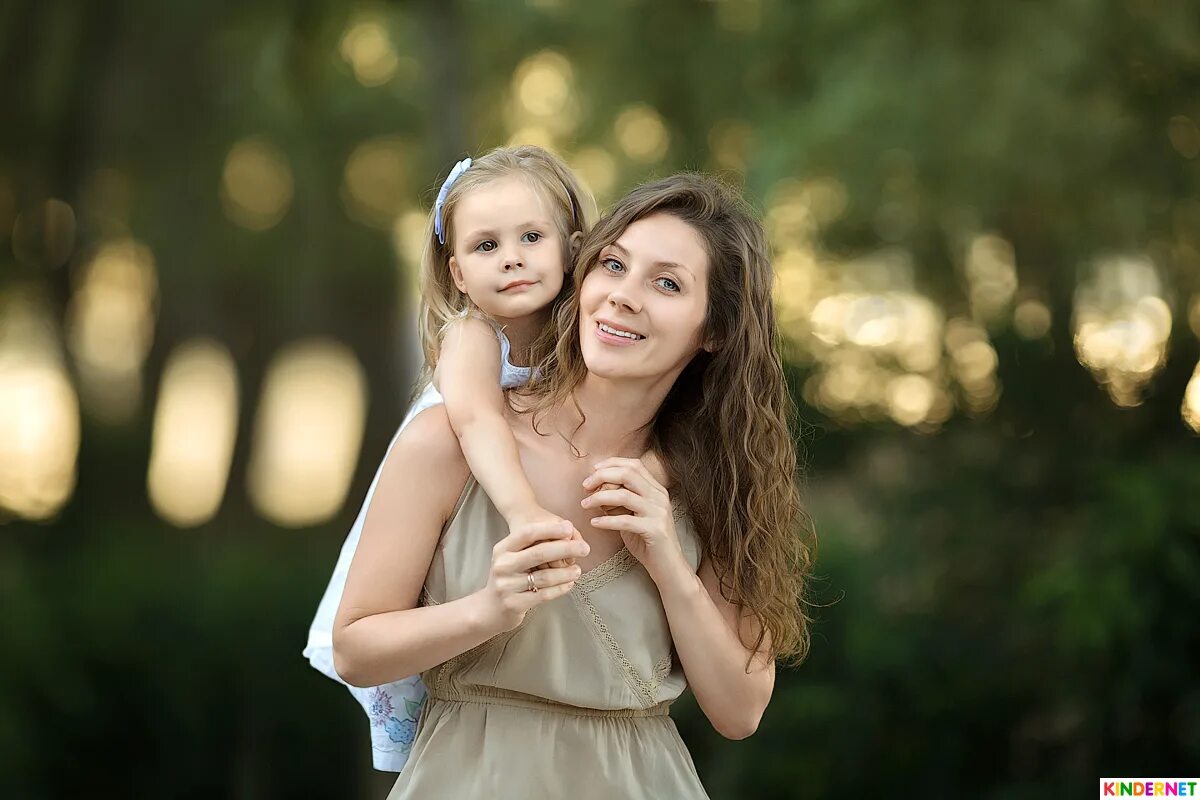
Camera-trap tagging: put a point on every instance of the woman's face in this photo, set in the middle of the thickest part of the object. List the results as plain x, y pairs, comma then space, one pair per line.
642, 307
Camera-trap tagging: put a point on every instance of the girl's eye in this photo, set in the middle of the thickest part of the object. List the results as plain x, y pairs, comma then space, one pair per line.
532, 237
612, 265
668, 284
486, 246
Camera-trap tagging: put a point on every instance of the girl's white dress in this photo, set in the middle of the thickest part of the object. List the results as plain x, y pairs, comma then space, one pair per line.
394, 707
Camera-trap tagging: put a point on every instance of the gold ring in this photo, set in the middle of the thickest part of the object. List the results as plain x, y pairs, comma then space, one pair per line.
532, 585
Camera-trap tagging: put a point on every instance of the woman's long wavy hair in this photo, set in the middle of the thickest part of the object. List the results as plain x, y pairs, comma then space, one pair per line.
723, 429
569, 203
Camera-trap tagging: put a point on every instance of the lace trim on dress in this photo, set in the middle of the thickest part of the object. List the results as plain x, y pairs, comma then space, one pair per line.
606, 571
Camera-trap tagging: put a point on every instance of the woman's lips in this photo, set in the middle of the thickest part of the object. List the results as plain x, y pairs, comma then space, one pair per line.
612, 338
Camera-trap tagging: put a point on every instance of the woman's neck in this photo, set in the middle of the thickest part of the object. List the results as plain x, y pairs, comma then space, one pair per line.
616, 416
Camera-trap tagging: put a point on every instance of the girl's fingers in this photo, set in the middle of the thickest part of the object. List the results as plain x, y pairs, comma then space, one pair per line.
527, 535
543, 553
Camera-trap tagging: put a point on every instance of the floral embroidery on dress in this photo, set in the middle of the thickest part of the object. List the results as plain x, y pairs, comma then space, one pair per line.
380, 706
401, 731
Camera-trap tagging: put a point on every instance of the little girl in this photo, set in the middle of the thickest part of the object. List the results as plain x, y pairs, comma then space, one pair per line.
502, 233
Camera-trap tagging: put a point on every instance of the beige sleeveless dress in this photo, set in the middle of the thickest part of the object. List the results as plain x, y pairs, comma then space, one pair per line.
570, 704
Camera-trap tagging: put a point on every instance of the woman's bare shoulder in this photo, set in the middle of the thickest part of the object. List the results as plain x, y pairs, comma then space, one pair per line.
428, 448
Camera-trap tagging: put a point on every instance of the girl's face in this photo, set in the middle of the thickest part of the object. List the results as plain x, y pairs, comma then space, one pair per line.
507, 249
642, 307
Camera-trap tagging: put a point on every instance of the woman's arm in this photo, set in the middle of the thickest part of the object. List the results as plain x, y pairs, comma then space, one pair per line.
704, 625
380, 634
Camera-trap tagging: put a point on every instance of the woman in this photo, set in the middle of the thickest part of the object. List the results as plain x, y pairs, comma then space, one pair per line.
554, 681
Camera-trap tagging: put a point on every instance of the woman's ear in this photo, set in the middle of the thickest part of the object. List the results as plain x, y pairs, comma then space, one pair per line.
573, 245
456, 275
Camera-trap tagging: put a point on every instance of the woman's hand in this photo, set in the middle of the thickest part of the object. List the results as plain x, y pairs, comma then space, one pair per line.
637, 506
519, 579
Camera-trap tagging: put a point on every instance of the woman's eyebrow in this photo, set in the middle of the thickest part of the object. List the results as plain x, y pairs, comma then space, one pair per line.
673, 265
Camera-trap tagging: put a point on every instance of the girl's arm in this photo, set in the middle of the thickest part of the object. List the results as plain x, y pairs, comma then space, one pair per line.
380, 634
468, 378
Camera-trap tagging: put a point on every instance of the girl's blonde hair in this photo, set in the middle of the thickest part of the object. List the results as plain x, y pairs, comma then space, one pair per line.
723, 429
546, 174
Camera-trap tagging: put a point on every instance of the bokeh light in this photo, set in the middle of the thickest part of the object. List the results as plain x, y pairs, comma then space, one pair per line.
408, 243
375, 182
110, 327
544, 102
973, 363
195, 426
642, 134
1122, 323
1031, 318
597, 169
368, 49
39, 412
256, 184
1190, 409
991, 273
307, 433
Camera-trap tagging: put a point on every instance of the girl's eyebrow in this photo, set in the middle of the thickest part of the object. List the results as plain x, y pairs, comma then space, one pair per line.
491, 232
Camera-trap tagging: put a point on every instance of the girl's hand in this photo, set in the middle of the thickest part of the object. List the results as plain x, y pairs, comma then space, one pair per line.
636, 505
519, 580
537, 516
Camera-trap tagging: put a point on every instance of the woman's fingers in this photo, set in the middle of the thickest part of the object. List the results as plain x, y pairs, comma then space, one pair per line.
547, 578
637, 480
527, 600
620, 522
617, 497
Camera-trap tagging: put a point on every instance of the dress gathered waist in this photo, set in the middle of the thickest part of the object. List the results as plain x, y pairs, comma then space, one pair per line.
490, 695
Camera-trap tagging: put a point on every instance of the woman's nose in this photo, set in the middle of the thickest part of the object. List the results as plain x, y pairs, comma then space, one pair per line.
625, 300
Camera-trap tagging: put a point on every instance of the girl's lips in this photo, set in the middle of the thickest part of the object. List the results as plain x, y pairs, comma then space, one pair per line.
518, 286
611, 338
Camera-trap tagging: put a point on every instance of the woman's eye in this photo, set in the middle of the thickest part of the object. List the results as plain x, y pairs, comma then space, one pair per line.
668, 284
532, 237
486, 246
612, 265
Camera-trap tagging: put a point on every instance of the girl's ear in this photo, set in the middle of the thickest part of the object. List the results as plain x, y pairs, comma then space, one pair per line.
573, 245
456, 275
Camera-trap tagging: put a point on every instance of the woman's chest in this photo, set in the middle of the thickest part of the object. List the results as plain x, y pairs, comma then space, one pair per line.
558, 486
